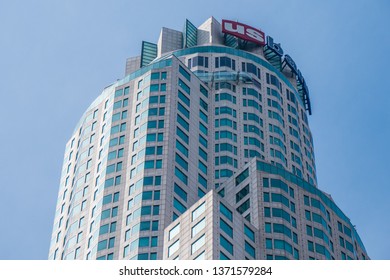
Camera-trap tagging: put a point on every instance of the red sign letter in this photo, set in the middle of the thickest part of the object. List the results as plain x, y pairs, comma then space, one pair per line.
243, 31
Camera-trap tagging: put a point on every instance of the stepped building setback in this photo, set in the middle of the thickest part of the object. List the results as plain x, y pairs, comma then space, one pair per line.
202, 151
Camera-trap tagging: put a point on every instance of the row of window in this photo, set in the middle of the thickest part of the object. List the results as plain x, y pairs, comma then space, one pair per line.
154, 76
141, 226
198, 61
85, 179
145, 181
141, 242
195, 230
278, 244
228, 246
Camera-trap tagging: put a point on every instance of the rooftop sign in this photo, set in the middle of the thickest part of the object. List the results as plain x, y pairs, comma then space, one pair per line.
243, 31
273, 53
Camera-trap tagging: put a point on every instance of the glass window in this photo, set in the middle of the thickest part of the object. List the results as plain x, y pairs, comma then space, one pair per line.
182, 135
203, 90
147, 195
113, 227
109, 182
198, 244
184, 98
268, 228
225, 211
222, 256
250, 250
154, 241
118, 92
347, 231
143, 256
249, 233
202, 167
244, 206
153, 99
310, 246
116, 117
182, 162
226, 244
105, 214
103, 229
149, 164
110, 169
283, 245
203, 104
203, 128
203, 141
242, 193
340, 226
173, 248
155, 76
242, 176
198, 211
114, 212
268, 243
202, 180
117, 104
341, 240
203, 154
156, 209
118, 180
111, 242
154, 225
145, 225
179, 206
184, 86
203, 116
309, 230
174, 231
267, 212
201, 256
308, 215
144, 242
306, 200
198, 227
183, 122
181, 148
178, 190
107, 199
179, 174
226, 228
102, 245
184, 73
145, 210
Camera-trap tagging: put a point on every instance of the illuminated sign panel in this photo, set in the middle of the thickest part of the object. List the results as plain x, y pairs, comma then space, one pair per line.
243, 31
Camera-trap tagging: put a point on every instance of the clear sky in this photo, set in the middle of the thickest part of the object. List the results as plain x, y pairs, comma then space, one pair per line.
57, 56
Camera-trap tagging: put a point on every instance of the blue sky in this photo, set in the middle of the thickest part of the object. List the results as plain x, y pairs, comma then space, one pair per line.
56, 57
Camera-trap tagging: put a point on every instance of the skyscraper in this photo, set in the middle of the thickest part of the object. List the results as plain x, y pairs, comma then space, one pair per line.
202, 151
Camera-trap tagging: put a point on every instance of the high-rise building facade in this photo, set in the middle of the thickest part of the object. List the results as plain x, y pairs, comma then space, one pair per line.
202, 151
